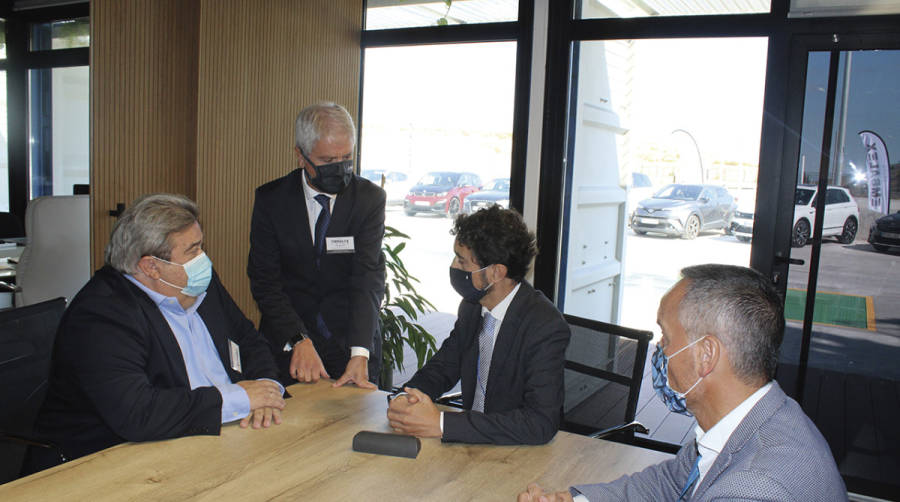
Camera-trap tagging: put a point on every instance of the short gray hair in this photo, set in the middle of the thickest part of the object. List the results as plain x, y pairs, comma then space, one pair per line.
325, 119
145, 227
741, 307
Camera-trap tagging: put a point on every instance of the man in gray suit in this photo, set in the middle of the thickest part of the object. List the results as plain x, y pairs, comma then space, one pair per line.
753, 442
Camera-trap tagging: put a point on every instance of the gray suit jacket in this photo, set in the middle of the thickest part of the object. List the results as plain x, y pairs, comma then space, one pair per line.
776, 453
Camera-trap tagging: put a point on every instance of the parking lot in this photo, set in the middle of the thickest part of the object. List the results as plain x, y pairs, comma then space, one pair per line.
652, 264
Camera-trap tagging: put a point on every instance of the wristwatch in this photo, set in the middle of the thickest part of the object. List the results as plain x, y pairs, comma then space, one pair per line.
299, 337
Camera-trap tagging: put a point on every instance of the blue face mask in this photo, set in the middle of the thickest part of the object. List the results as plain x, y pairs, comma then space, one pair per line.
673, 399
199, 273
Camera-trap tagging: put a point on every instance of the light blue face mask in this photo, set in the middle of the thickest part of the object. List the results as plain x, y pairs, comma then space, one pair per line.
199, 273
673, 399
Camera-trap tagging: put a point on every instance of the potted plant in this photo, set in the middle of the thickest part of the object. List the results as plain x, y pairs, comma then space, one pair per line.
400, 309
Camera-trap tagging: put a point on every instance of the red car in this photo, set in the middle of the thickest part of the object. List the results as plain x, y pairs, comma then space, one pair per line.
441, 193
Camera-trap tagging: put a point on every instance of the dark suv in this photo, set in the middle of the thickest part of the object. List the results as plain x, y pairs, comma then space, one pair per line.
441, 192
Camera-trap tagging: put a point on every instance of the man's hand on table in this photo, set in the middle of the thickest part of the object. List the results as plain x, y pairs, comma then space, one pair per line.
263, 394
266, 403
534, 493
262, 417
306, 365
415, 414
357, 372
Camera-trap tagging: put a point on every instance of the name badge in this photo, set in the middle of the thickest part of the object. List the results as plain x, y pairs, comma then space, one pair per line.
235, 356
339, 245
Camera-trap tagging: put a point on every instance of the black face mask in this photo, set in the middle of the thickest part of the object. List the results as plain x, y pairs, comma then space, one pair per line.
462, 283
330, 178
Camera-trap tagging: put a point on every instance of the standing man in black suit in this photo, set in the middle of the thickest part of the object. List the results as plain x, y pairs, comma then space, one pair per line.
153, 347
508, 345
315, 266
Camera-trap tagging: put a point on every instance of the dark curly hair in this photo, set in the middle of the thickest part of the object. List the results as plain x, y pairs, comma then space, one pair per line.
497, 236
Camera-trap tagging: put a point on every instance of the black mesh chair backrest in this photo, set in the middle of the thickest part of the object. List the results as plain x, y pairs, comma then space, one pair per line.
11, 226
604, 367
26, 344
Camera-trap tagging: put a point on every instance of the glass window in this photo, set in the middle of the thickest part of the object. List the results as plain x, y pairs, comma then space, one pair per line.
383, 14
441, 115
58, 125
63, 34
606, 9
687, 114
823, 8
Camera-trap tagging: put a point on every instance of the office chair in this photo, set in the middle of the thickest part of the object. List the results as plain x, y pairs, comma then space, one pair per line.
26, 344
56, 261
603, 371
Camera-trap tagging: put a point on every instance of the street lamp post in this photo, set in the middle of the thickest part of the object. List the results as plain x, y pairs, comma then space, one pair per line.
699, 158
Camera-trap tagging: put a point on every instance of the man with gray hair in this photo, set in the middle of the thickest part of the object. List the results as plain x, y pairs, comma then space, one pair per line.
315, 265
153, 346
753, 442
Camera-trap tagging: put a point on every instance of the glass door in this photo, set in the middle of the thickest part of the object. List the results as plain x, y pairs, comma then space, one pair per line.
842, 341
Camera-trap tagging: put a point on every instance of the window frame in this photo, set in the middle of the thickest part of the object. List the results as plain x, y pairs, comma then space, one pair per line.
520, 31
19, 61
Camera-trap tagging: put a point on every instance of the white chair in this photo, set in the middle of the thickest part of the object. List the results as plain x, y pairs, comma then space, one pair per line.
56, 259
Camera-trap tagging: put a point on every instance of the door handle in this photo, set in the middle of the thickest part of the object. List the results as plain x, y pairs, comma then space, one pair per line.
790, 261
120, 208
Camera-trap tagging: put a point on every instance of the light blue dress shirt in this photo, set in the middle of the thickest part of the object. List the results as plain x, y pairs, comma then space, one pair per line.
201, 359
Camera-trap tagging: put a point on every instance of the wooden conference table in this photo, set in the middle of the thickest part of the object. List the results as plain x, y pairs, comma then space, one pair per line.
309, 456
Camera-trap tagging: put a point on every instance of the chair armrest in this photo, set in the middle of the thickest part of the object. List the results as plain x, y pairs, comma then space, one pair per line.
631, 427
12, 288
453, 400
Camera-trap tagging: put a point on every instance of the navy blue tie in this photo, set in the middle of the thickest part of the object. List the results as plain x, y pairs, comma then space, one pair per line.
322, 223
321, 228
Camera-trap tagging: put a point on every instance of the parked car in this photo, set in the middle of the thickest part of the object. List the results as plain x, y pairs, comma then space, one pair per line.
885, 233
742, 224
495, 192
841, 215
684, 210
441, 193
396, 184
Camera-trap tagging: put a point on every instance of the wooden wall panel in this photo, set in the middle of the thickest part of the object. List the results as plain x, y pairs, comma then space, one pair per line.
258, 67
143, 104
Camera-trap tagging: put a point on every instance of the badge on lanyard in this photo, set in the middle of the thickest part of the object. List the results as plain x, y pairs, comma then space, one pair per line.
235, 351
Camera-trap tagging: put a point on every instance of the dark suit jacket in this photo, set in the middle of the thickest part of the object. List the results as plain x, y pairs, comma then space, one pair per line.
776, 453
524, 394
118, 375
347, 288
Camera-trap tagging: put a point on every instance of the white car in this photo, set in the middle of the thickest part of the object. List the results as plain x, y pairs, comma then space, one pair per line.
742, 221
841, 215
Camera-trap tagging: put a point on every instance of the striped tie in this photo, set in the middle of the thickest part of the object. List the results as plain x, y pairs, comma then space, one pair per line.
485, 350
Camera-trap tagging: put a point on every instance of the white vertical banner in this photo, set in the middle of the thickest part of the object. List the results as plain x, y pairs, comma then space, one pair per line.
878, 171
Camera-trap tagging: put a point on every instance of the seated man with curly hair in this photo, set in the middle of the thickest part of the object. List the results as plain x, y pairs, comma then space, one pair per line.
507, 347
